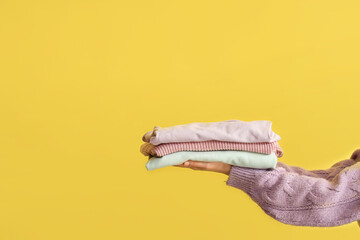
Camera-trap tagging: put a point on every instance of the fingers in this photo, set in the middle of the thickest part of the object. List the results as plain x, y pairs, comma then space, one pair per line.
206, 166
196, 165
180, 165
184, 164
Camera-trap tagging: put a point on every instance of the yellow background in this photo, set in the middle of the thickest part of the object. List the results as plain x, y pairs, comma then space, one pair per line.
82, 81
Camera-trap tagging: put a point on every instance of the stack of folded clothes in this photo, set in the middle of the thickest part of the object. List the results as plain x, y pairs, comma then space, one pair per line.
250, 144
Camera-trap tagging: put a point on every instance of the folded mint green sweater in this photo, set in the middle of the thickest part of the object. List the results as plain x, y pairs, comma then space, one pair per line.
236, 158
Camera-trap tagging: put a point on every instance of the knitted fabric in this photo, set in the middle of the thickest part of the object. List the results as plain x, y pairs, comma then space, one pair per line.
230, 131
168, 148
237, 158
293, 195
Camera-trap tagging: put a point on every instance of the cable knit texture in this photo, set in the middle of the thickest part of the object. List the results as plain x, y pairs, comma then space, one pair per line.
293, 195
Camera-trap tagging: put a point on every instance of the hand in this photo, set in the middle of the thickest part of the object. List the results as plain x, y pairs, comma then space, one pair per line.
219, 167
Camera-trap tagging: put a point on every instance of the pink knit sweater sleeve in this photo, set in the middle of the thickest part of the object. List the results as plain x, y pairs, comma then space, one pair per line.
293, 195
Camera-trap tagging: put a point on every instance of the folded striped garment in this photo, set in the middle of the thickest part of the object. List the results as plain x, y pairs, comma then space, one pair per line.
149, 149
230, 131
236, 158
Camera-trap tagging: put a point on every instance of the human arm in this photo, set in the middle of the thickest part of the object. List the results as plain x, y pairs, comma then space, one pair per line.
296, 196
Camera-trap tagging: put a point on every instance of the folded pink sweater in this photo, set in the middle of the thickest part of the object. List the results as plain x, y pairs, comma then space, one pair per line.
167, 148
230, 131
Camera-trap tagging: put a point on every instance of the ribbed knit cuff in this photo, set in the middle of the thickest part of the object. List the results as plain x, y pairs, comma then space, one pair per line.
242, 178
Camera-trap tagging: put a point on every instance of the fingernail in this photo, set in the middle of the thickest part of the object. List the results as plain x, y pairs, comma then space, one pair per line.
186, 164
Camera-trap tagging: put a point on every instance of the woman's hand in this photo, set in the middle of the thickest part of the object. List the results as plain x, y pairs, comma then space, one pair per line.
219, 167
